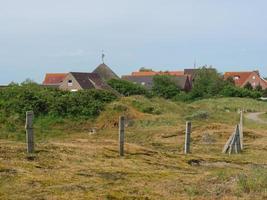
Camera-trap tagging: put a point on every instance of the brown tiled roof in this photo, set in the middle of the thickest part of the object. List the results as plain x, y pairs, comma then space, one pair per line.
242, 77
54, 79
181, 80
90, 80
147, 80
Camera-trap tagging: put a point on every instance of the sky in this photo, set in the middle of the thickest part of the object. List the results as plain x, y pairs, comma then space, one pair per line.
37, 37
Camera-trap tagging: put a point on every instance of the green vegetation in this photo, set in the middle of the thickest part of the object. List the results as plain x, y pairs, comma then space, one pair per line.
208, 83
16, 100
254, 182
164, 86
72, 163
127, 88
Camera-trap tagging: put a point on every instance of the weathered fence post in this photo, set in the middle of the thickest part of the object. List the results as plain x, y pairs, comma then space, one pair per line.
233, 144
29, 131
121, 135
241, 129
187, 137
238, 140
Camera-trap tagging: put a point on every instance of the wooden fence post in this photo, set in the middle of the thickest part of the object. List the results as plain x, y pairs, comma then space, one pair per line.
187, 137
235, 143
238, 140
121, 135
241, 129
29, 131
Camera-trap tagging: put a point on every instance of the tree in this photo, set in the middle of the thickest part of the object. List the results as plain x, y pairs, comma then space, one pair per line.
165, 86
258, 88
143, 69
127, 88
208, 82
230, 80
248, 86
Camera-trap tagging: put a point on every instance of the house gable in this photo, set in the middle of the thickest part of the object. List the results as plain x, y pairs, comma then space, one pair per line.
254, 79
70, 83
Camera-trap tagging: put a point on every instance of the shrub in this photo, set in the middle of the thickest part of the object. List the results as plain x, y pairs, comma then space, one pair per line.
198, 115
264, 93
258, 88
248, 86
127, 88
232, 91
46, 101
164, 86
146, 108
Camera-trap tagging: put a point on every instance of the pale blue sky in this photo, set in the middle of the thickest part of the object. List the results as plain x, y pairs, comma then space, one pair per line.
39, 36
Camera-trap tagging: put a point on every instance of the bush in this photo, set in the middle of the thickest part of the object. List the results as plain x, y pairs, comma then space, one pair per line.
16, 100
248, 86
164, 86
258, 88
264, 93
146, 108
127, 88
232, 91
198, 115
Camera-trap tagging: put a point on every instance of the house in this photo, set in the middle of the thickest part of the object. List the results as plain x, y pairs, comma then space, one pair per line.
105, 72
146, 79
242, 78
153, 73
54, 80
75, 81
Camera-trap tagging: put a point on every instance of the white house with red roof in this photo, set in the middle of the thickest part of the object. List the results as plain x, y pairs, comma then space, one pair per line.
242, 78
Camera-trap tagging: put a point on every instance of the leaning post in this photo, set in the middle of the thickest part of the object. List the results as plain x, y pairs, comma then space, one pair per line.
29, 131
121, 135
238, 139
187, 137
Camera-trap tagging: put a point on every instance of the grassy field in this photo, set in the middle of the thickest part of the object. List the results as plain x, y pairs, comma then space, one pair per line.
72, 163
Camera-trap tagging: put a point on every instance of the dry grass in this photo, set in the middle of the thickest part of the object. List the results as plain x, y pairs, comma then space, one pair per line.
84, 166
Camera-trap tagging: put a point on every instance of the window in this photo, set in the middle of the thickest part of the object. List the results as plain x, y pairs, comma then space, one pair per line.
69, 83
236, 77
254, 77
143, 83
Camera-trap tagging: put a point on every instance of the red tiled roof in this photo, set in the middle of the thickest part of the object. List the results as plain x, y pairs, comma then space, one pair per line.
148, 73
54, 79
242, 77
153, 73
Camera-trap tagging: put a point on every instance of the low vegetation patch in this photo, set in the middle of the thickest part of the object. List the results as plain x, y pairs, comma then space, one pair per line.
145, 107
254, 182
201, 115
